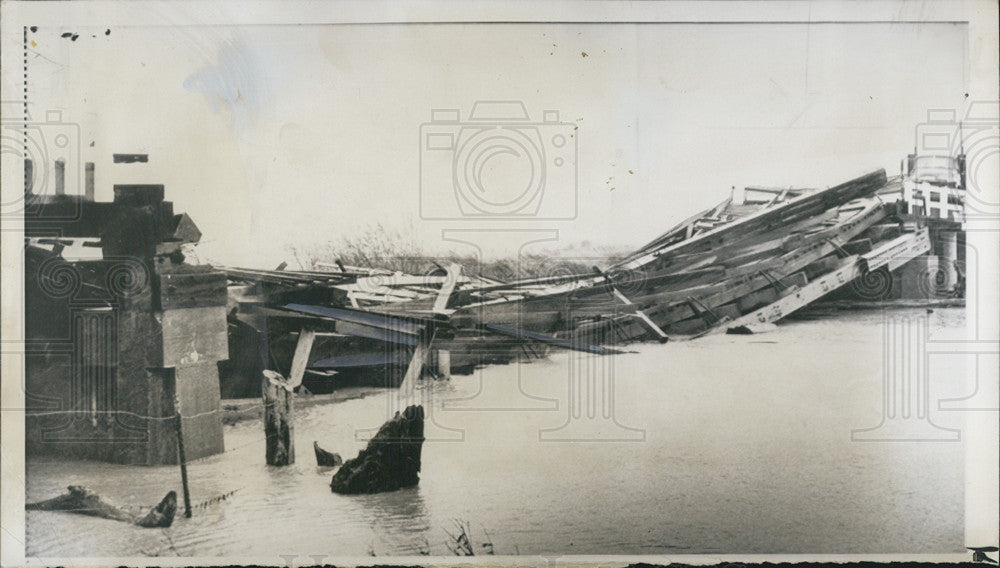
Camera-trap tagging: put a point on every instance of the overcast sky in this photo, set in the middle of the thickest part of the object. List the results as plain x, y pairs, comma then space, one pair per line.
270, 136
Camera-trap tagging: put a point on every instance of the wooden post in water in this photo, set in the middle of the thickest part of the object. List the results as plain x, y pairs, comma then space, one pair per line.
278, 420
278, 403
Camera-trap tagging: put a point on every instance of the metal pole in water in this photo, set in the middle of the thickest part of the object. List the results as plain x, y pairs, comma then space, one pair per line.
180, 458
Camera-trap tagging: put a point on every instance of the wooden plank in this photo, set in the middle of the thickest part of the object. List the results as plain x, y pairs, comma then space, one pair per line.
381, 334
822, 266
756, 299
388, 297
303, 347
391, 280
599, 307
361, 317
778, 190
550, 340
527, 317
878, 233
654, 329
697, 325
682, 310
899, 251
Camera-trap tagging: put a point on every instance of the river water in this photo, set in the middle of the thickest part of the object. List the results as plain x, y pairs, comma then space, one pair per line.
726, 444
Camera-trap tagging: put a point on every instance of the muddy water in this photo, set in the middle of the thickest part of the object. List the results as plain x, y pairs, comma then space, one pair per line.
724, 444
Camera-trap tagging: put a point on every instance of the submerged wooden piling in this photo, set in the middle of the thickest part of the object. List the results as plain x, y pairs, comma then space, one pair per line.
278, 430
278, 403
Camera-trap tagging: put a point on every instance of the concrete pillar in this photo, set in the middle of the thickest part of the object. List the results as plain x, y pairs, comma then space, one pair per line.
60, 177
89, 181
29, 176
191, 339
949, 255
918, 279
905, 386
443, 361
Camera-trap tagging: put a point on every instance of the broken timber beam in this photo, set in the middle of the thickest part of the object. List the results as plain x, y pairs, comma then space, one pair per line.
548, 339
416, 366
651, 326
303, 347
654, 329
441, 303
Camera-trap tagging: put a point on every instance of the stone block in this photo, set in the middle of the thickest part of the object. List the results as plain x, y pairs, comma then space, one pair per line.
194, 335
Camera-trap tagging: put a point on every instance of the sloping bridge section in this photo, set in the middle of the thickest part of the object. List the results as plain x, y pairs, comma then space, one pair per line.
737, 267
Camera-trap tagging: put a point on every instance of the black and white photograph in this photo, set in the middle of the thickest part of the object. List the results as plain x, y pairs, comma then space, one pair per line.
554, 283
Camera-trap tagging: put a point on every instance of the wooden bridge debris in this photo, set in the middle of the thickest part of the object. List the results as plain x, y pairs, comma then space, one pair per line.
736, 266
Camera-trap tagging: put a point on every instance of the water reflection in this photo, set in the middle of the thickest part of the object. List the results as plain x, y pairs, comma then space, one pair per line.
399, 520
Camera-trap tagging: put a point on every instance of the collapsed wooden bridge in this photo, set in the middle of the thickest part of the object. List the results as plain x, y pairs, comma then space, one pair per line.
733, 267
